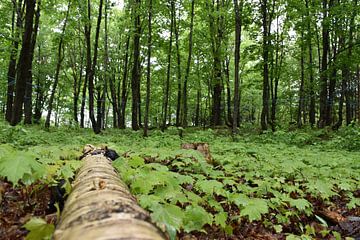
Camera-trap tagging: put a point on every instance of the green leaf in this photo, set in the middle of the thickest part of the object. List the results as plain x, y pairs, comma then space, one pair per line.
208, 186
354, 202
15, 165
39, 229
136, 161
168, 214
220, 219
195, 218
301, 204
254, 208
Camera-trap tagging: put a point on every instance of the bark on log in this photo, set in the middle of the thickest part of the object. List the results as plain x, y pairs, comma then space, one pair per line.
100, 206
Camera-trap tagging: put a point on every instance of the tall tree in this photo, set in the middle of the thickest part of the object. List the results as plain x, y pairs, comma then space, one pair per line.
24, 63
265, 54
135, 75
148, 71
124, 86
91, 66
187, 73
167, 83
324, 66
178, 66
60, 58
311, 67
216, 33
29, 81
238, 25
11, 74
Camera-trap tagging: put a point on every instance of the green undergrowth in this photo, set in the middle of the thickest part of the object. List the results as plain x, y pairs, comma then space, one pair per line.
277, 179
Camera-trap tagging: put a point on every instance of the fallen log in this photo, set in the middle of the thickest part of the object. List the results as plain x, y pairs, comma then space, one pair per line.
100, 206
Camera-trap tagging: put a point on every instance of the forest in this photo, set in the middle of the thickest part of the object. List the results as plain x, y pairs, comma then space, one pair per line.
231, 119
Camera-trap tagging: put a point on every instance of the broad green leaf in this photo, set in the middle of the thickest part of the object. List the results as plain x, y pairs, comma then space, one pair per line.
208, 186
169, 215
136, 161
16, 165
39, 229
195, 218
301, 204
150, 201
220, 219
254, 208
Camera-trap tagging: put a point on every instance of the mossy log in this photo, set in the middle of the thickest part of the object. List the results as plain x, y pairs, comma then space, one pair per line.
100, 206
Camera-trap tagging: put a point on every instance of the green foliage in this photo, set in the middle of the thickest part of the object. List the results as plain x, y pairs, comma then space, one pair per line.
257, 177
17, 166
39, 229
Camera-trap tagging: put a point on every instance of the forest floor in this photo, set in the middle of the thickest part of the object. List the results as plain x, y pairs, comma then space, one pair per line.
288, 185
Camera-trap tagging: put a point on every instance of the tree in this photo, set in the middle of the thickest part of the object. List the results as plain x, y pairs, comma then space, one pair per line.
148, 72
135, 75
24, 63
238, 24
60, 58
11, 74
187, 73
29, 82
91, 65
167, 82
266, 23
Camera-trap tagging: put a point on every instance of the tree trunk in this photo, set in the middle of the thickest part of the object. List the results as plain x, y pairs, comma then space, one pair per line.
265, 94
238, 25
229, 118
11, 74
324, 63
124, 90
148, 72
167, 83
101, 206
95, 124
311, 71
184, 110
178, 58
40, 98
135, 76
24, 64
301, 105
60, 58
29, 85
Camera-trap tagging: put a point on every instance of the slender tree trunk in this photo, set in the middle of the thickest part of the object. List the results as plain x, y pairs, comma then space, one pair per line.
124, 90
324, 63
301, 105
265, 95
238, 25
312, 110
23, 64
187, 72
11, 74
345, 76
29, 85
229, 118
77, 80
148, 72
60, 58
349, 108
101, 118
217, 84
178, 58
135, 78
167, 83
95, 124
39, 101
